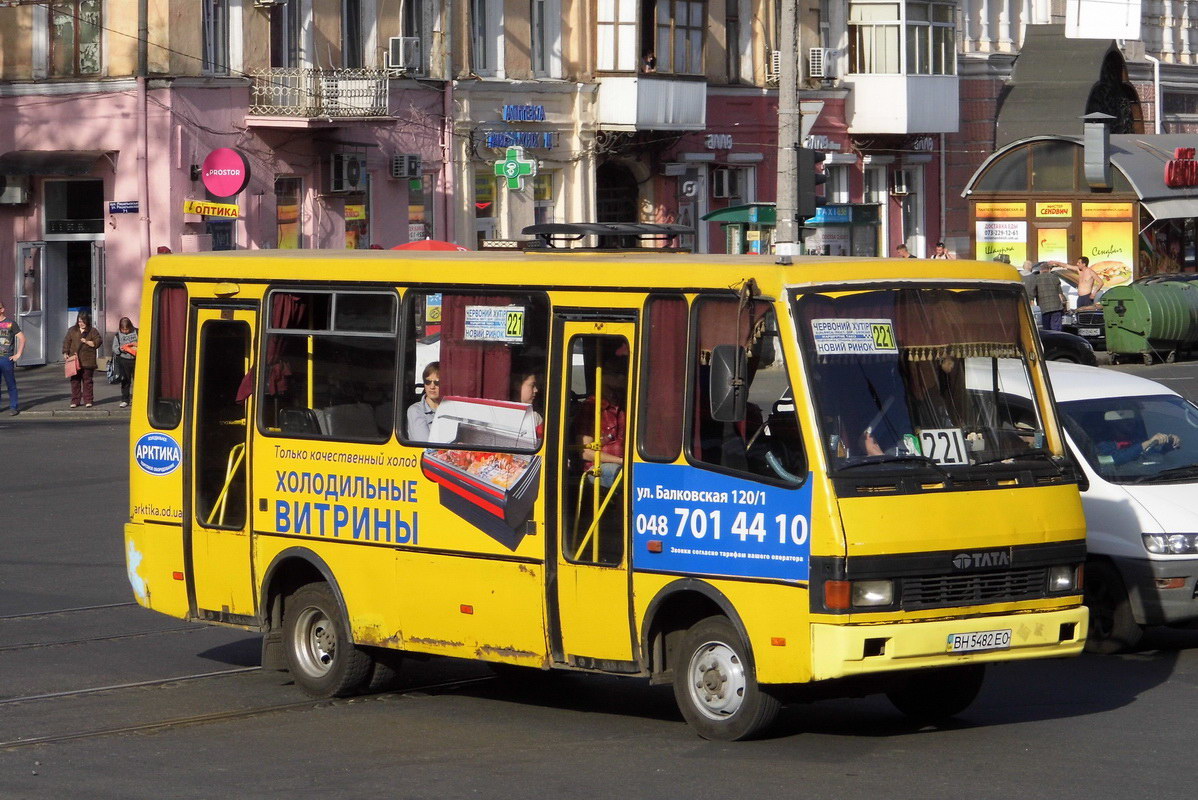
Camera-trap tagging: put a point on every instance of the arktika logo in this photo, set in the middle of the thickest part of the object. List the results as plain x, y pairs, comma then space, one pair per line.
157, 454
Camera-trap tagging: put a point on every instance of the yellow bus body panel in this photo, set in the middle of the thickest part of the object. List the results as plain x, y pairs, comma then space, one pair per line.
153, 556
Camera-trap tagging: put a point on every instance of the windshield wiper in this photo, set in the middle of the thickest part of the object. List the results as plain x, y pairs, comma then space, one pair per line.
1038, 452
909, 458
1173, 473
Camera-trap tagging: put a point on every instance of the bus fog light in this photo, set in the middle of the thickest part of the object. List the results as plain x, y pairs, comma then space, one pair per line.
1062, 578
873, 593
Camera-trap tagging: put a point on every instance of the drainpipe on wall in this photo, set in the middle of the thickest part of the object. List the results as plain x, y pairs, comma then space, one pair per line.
143, 167
943, 192
1156, 93
447, 210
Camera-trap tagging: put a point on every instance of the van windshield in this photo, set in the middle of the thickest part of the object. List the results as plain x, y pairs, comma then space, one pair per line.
920, 375
1136, 439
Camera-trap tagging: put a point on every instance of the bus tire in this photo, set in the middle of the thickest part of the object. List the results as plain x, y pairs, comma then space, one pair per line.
1113, 627
316, 642
715, 685
933, 696
384, 669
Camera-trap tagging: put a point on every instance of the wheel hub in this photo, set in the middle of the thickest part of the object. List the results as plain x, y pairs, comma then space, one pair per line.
717, 680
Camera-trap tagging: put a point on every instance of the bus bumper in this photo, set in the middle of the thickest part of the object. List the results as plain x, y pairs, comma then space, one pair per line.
154, 564
842, 650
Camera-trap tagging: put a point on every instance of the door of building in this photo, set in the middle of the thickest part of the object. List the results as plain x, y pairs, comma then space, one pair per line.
592, 590
217, 491
31, 301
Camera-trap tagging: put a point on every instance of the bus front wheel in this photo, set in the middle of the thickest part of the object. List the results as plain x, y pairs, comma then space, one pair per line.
715, 685
932, 696
320, 656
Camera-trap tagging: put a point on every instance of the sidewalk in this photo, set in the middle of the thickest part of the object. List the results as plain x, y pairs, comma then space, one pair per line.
44, 392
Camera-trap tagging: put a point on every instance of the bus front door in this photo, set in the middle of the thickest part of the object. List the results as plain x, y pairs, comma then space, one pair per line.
592, 591
218, 499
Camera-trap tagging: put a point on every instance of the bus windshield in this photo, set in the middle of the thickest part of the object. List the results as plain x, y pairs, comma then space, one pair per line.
911, 375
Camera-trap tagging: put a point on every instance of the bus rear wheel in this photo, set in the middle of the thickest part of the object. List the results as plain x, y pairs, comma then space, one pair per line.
715, 685
933, 696
322, 659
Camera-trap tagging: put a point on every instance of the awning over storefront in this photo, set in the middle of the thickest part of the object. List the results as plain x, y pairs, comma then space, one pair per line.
749, 214
49, 162
1051, 84
1142, 158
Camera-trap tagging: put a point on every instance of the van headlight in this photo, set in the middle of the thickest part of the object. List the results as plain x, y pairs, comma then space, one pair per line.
873, 593
1171, 544
1062, 578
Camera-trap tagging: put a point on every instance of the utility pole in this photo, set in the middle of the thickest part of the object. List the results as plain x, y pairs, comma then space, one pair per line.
786, 235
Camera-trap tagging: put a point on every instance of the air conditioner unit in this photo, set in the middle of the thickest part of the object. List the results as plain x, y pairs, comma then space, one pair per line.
724, 183
403, 53
819, 63
15, 191
405, 166
773, 67
347, 172
901, 184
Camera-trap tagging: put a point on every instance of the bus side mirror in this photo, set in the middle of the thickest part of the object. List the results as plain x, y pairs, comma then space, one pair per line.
729, 393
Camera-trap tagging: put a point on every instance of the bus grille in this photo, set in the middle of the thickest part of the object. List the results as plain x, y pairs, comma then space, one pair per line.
975, 588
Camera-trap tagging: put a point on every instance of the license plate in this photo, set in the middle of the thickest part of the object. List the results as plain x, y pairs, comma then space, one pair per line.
979, 640
1089, 331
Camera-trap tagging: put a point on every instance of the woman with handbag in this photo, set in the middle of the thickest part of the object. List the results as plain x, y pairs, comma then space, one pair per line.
124, 355
79, 348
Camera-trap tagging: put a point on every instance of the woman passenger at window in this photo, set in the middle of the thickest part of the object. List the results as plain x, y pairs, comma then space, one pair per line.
422, 412
527, 391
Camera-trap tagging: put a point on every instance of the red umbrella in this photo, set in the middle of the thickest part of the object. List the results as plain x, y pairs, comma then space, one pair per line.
432, 244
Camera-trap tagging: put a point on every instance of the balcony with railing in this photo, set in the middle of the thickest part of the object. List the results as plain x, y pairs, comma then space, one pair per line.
652, 102
295, 93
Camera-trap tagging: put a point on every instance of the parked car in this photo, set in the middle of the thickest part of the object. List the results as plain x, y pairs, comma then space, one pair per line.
1136, 444
1062, 346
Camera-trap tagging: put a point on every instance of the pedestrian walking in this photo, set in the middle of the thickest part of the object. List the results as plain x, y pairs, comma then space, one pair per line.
12, 345
1047, 294
82, 343
124, 350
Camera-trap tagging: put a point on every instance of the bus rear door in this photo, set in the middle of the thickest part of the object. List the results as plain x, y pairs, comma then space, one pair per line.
592, 588
217, 494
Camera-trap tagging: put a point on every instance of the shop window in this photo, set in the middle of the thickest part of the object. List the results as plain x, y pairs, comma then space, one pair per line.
357, 219
420, 209
288, 224
74, 206
1007, 174
475, 369
678, 43
167, 355
75, 38
215, 21
616, 37
1054, 166
663, 378
764, 442
328, 366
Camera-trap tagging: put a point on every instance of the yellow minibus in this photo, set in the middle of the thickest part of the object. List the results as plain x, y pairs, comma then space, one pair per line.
742, 478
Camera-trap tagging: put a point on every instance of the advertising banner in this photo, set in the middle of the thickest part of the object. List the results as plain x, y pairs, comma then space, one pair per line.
1052, 244
1002, 210
1054, 210
1106, 210
1110, 246
1007, 238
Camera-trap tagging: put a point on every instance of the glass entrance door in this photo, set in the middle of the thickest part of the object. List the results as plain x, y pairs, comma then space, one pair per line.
31, 300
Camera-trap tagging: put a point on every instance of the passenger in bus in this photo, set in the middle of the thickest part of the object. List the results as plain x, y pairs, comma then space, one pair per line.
611, 429
421, 413
527, 391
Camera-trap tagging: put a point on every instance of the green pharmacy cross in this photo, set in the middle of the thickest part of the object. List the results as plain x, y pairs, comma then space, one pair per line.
515, 167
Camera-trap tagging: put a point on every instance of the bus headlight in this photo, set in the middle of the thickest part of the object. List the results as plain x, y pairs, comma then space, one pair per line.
1171, 544
1062, 578
873, 593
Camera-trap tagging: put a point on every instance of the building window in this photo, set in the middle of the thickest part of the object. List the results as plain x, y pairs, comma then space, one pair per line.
486, 37
351, 34
837, 188
285, 34
616, 31
732, 40
288, 225
75, 38
216, 37
926, 48
412, 27
546, 38
357, 219
542, 198
679, 41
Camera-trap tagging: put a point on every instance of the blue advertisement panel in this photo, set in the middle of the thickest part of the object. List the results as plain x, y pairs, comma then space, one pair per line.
700, 522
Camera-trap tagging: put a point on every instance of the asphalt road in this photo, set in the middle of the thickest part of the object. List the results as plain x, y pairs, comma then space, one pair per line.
101, 699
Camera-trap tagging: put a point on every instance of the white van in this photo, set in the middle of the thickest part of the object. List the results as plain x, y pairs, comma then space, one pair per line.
1136, 442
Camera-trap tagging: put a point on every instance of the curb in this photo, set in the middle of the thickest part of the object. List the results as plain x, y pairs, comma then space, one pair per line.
66, 413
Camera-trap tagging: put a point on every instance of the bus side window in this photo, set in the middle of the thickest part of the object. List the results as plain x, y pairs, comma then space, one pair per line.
489, 350
663, 378
329, 365
168, 355
766, 443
